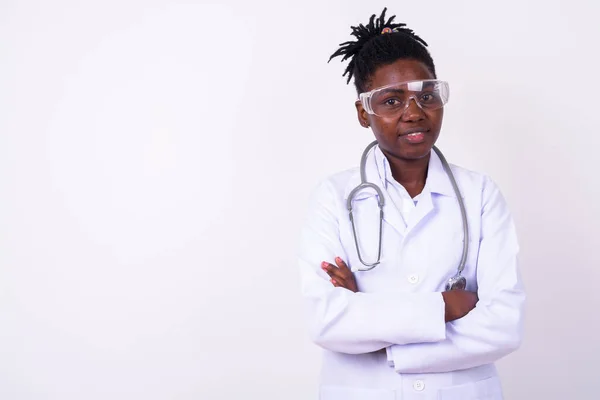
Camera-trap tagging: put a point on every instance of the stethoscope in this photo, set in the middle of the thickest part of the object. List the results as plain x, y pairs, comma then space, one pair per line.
457, 281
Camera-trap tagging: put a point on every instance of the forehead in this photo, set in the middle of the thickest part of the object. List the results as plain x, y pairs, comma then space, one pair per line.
399, 71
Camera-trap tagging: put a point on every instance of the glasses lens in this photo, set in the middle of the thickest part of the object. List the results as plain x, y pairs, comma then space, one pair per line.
393, 100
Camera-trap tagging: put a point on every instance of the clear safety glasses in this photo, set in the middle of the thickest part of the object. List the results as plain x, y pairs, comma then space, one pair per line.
393, 100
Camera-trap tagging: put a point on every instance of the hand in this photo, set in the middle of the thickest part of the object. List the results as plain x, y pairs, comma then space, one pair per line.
340, 275
459, 303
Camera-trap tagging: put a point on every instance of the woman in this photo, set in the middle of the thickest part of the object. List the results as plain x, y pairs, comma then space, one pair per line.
404, 324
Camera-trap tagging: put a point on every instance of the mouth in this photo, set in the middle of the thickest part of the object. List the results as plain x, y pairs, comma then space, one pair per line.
414, 135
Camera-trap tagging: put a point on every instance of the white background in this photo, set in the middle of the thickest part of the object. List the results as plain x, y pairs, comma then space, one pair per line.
156, 157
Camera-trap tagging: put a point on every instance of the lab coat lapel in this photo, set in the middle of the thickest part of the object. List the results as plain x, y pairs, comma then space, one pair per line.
377, 169
438, 183
424, 207
392, 216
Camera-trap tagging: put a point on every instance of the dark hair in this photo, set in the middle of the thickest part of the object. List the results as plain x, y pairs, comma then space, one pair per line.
373, 48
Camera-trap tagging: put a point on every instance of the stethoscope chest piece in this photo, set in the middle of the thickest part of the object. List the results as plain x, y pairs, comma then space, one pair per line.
457, 282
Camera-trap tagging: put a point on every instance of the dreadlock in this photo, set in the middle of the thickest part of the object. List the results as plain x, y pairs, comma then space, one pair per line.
380, 43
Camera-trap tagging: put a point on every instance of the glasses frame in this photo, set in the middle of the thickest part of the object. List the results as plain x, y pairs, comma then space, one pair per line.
365, 97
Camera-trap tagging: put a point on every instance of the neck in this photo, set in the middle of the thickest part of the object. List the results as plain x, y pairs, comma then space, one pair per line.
411, 174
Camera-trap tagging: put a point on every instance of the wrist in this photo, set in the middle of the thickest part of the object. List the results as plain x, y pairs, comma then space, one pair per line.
447, 313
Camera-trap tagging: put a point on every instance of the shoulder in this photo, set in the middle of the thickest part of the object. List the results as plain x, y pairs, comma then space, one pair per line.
473, 180
337, 184
330, 192
479, 186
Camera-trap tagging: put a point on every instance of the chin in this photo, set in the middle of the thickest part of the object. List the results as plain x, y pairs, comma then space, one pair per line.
407, 151
415, 152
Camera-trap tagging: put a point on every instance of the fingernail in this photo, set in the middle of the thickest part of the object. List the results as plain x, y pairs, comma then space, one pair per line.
338, 259
324, 265
333, 281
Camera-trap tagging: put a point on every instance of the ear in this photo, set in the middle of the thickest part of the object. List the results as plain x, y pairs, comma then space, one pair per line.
362, 114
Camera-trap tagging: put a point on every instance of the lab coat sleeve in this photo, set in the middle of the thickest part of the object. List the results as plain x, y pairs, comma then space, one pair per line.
494, 327
354, 323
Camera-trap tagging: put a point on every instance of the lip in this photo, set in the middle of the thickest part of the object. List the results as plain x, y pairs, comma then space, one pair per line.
415, 130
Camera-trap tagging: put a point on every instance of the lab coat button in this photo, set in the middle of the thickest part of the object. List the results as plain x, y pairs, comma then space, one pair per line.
414, 278
419, 385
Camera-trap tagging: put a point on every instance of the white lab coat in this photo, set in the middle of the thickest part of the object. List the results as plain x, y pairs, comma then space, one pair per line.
389, 341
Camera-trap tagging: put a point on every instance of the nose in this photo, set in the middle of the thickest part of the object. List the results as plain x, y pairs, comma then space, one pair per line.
412, 111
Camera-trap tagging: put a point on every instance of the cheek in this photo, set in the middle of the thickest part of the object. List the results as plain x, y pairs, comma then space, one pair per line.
382, 133
436, 117
386, 127
383, 127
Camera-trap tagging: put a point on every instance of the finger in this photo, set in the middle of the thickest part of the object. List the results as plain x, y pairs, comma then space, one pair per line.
339, 285
334, 272
336, 283
344, 270
350, 280
342, 265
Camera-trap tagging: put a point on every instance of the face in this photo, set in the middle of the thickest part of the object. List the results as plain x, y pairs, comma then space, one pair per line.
393, 133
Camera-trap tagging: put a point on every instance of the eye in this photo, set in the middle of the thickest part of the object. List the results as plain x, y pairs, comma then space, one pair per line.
391, 102
427, 97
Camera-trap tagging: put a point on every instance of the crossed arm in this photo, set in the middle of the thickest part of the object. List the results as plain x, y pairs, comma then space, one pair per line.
447, 330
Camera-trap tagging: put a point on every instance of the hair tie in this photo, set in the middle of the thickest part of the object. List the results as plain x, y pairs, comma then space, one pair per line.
387, 29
